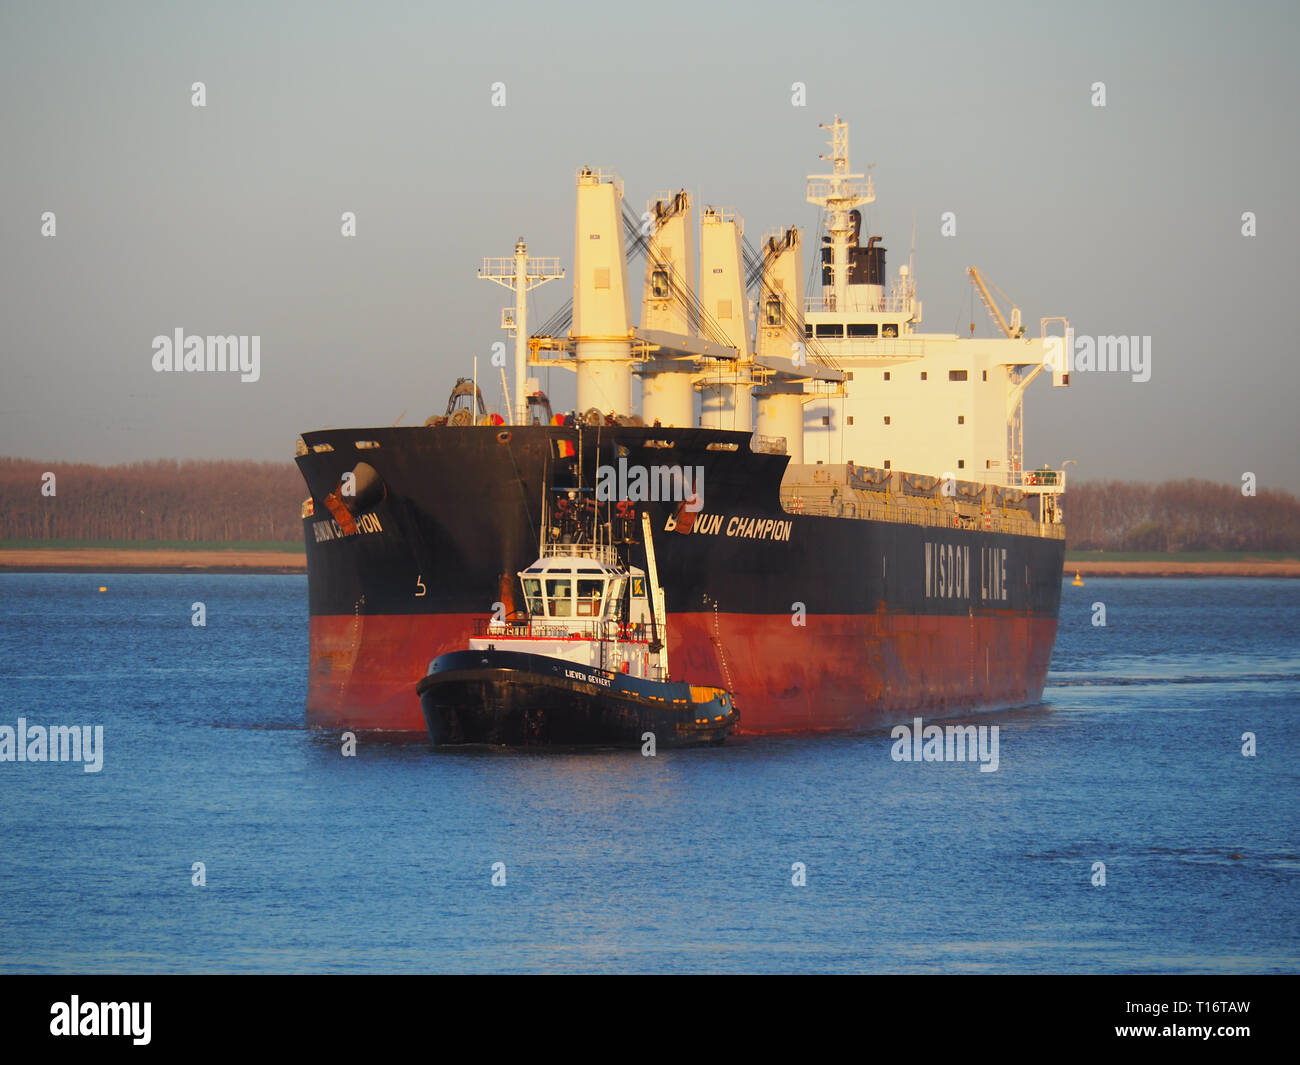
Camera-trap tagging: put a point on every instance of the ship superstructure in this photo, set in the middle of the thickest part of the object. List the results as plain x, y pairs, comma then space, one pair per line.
844, 376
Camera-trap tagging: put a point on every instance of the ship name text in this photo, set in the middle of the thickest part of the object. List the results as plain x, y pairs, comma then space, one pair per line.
739, 526
329, 529
590, 678
948, 572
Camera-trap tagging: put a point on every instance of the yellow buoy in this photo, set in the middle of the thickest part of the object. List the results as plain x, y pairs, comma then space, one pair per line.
1078, 581
103, 588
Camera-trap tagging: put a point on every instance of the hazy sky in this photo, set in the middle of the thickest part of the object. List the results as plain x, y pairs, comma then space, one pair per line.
226, 219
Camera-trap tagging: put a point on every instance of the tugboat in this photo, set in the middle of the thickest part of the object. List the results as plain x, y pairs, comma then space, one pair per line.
586, 663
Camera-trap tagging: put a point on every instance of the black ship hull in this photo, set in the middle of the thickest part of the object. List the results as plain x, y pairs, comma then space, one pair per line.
519, 699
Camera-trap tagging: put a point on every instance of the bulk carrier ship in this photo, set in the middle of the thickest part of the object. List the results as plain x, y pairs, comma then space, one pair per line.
844, 528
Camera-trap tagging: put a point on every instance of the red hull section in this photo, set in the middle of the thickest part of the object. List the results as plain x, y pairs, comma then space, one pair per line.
835, 673
364, 669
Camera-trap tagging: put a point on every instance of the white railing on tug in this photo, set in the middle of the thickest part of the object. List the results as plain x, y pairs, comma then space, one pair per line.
602, 553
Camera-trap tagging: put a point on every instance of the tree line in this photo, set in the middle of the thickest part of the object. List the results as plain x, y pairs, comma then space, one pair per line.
1185, 515
162, 500
261, 501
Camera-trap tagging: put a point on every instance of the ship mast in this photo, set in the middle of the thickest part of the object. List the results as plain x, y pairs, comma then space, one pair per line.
520, 274
837, 193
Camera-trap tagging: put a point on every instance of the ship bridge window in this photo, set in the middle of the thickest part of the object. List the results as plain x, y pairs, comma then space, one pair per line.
864, 329
956, 375
560, 593
533, 593
590, 593
890, 330
830, 329
808, 329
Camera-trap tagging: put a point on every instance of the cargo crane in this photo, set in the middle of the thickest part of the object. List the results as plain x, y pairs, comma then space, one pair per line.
1014, 330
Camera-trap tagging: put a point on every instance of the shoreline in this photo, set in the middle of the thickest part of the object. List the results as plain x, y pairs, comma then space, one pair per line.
1245, 567
147, 560
170, 560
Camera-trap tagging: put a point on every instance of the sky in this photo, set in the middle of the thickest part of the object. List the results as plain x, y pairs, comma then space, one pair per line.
225, 219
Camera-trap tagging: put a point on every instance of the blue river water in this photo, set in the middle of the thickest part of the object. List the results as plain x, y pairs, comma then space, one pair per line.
384, 862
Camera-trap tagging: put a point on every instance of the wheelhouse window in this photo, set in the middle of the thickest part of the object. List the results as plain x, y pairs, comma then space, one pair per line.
560, 595
590, 593
864, 329
830, 329
533, 593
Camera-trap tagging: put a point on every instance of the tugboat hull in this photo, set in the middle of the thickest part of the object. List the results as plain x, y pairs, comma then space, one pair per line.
518, 699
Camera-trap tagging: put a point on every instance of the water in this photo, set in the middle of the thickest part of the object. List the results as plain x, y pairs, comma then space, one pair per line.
614, 862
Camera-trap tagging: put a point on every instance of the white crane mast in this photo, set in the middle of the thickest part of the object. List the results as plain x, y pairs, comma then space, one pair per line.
520, 274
